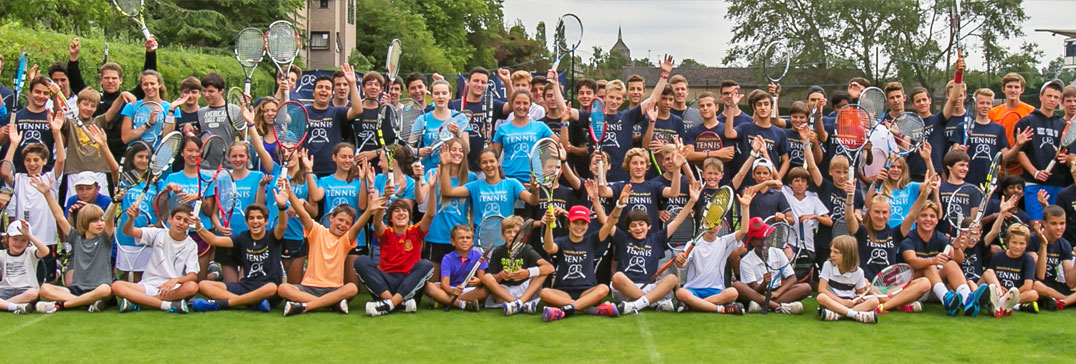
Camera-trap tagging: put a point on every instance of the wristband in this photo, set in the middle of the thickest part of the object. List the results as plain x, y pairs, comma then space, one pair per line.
532, 272
665, 77
707, 154
285, 207
958, 76
621, 206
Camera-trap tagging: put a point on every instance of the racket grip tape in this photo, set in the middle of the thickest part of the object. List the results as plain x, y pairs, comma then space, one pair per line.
948, 248
552, 224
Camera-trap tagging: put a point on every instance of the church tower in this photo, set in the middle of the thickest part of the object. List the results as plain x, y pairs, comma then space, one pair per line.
620, 47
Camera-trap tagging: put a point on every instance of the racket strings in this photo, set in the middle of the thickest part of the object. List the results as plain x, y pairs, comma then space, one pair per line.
250, 47
165, 152
290, 124
489, 232
873, 100
281, 42
546, 162
129, 7
776, 60
909, 132
852, 124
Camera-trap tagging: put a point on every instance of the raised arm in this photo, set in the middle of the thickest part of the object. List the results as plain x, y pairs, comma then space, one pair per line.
282, 204
54, 207
693, 196
595, 201
609, 228
304, 217
356, 97
447, 189
745, 209
431, 210
926, 189
128, 228
376, 210
210, 237
57, 124
42, 249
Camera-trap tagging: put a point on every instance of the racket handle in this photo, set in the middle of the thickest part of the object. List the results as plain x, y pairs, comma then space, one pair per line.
552, 224
773, 111
392, 181
948, 248
958, 76
145, 33
601, 173
1053, 162
246, 88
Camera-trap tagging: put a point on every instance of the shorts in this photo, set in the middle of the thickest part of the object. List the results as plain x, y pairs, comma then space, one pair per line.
151, 287
514, 291
293, 248
434, 252
76, 291
1031, 205
359, 250
204, 249
244, 286
317, 291
929, 297
704, 292
1061, 288
226, 256
132, 258
7, 293
619, 297
573, 293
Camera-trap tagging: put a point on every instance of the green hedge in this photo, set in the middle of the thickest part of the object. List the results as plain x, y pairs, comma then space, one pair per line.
45, 47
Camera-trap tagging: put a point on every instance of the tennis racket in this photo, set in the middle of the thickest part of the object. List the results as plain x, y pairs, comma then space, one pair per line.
129, 176
489, 236
407, 113
20, 78
1068, 136
282, 45
392, 63
569, 34
289, 127
872, 99
236, 96
889, 281
776, 59
386, 112
7, 192
443, 133
683, 233
712, 217
779, 237
545, 169
143, 115
60, 105
692, 117
989, 185
227, 197
133, 9
161, 161
597, 134
487, 111
853, 127
840, 227
213, 157
663, 138
969, 122
249, 51
955, 28
955, 214
908, 133
520, 240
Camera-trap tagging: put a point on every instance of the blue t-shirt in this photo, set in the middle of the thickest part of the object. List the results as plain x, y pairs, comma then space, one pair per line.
516, 144
190, 185
900, 203
144, 219
339, 192
986, 141
766, 204
477, 123
1013, 272
294, 230
644, 197
408, 191
101, 201
496, 199
638, 259
456, 268
247, 190
575, 262
430, 137
324, 131
153, 132
450, 211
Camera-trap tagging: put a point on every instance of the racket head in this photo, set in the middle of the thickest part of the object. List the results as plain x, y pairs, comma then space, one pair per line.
572, 29
683, 233
872, 99
708, 141
545, 162
776, 60
908, 132
408, 112
692, 117
954, 211
249, 47
128, 7
392, 59
214, 152
840, 227
236, 97
720, 204
724, 228
892, 277
1068, 136
227, 196
992, 174
780, 235
282, 41
853, 123
129, 175
143, 112
489, 232
166, 151
518, 241
290, 124
597, 120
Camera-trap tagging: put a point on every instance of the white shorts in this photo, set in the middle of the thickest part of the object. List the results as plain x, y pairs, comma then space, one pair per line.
151, 287
493, 302
619, 297
928, 297
132, 258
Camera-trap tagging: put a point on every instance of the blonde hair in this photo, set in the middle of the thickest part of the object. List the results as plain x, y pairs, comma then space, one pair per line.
849, 250
888, 185
713, 163
511, 222
615, 86
1018, 230
635, 152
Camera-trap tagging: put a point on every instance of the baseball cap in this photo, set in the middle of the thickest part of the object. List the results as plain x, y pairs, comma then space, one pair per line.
758, 229
85, 178
579, 212
1056, 82
762, 162
13, 228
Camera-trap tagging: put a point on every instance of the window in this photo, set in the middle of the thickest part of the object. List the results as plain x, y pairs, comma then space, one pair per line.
319, 40
351, 12
324, 4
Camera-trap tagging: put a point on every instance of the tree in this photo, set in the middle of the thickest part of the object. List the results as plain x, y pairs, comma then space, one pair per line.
691, 62
420, 50
901, 40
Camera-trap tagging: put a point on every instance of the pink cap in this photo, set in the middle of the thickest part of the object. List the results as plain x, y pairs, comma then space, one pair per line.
579, 212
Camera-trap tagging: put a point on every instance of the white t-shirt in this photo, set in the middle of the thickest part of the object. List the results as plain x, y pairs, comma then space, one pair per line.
881, 141
752, 269
170, 258
19, 271
29, 204
706, 264
809, 205
842, 285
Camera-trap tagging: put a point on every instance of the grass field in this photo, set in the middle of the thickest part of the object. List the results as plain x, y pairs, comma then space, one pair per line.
432, 336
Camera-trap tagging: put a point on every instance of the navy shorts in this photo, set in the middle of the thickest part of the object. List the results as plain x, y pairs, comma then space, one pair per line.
244, 286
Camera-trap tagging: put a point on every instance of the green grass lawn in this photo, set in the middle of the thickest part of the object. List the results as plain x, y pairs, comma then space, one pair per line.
435, 336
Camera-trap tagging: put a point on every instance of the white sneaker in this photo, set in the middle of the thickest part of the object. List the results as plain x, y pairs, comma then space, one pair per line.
995, 297
530, 307
754, 307
1013, 296
628, 307
827, 315
342, 307
410, 306
511, 308
22, 309
867, 317
665, 305
377, 308
45, 307
793, 308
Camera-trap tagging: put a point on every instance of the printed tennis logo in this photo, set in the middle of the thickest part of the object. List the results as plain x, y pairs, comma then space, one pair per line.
709, 142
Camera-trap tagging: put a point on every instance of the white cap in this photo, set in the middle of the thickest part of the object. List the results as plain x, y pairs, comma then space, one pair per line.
762, 162
13, 228
86, 178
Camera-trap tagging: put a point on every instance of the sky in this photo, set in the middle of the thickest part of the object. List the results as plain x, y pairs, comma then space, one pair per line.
674, 26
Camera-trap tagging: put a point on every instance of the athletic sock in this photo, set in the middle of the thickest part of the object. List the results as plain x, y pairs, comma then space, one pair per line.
940, 290
12, 306
461, 303
852, 314
222, 304
393, 307
568, 309
963, 290
641, 303
165, 305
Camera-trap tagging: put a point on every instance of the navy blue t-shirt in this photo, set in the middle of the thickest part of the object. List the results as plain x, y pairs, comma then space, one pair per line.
644, 196
1012, 272
924, 249
766, 204
1059, 251
973, 261
965, 199
616, 142
1040, 150
934, 126
35, 129
638, 259
324, 131
575, 262
985, 142
878, 253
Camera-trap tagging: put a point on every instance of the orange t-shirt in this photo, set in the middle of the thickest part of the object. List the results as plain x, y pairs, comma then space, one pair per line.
997, 115
326, 258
